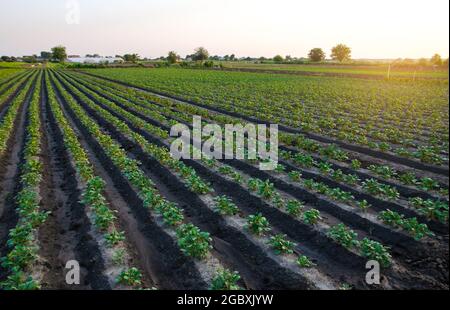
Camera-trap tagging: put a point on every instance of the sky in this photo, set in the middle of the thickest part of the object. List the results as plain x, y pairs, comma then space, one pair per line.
378, 29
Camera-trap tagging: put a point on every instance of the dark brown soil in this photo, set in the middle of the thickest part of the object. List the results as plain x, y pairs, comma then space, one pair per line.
405, 248
9, 177
65, 236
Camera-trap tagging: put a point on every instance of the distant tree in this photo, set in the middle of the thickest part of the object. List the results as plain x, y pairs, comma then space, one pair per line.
209, 64
316, 54
131, 58
436, 60
46, 55
423, 62
446, 62
288, 58
173, 57
232, 57
278, 58
30, 59
6, 58
201, 54
59, 53
341, 52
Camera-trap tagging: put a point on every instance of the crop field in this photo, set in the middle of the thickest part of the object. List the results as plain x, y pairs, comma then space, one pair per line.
86, 174
374, 71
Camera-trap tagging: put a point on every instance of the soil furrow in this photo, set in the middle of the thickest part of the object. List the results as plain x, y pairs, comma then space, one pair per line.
232, 242
161, 256
10, 169
66, 235
440, 170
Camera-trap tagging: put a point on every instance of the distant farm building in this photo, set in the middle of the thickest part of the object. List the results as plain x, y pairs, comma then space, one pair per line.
95, 60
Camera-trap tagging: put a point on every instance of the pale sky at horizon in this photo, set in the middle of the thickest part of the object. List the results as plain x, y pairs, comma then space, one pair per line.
373, 29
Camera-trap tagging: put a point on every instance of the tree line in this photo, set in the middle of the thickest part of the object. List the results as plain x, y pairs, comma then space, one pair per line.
340, 52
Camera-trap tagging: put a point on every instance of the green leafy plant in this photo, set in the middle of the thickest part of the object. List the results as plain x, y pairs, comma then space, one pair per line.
376, 251
281, 245
130, 277
344, 236
257, 224
114, 237
226, 280
304, 262
294, 207
311, 216
193, 242
225, 206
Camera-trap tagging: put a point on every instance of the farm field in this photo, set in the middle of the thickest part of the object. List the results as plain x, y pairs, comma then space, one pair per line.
86, 172
376, 71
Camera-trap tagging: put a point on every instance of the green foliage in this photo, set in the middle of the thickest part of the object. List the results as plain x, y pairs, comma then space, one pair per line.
226, 280
294, 207
281, 245
193, 242
344, 236
376, 251
131, 277
257, 224
311, 216
113, 238
225, 206
304, 262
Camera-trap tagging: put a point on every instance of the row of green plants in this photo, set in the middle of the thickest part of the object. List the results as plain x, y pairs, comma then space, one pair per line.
259, 224
161, 154
432, 209
333, 152
268, 191
370, 185
7, 90
191, 240
7, 74
271, 100
330, 151
23, 244
7, 123
367, 248
104, 218
303, 160
14, 81
193, 180
223, 204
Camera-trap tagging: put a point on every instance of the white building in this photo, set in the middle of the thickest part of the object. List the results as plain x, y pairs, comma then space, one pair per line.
94, 60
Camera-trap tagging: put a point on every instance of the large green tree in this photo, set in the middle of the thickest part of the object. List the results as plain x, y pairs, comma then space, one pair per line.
201, 54
59, 53
173, 57
316, 54
341, 52
131, 58
278, 58
436, 60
